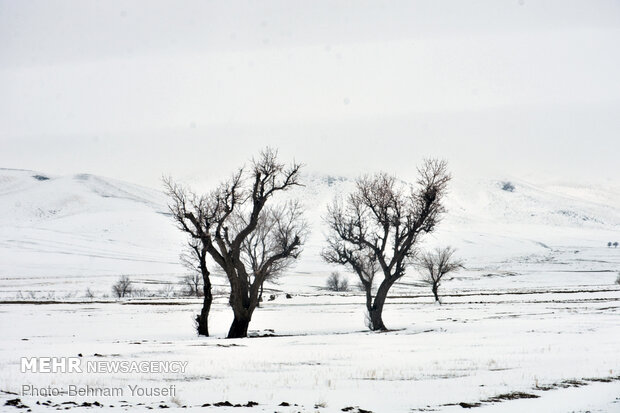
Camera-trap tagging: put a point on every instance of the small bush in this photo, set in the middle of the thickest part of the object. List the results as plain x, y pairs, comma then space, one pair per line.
168, 291
141, 292
337, 283
618, 279
508, 186
89, 293
123, 287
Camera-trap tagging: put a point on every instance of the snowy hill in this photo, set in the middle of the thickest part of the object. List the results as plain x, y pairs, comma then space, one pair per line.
83, 229
484, 220
63, 234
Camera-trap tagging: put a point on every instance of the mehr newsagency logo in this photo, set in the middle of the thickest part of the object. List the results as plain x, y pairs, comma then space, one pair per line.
79, 365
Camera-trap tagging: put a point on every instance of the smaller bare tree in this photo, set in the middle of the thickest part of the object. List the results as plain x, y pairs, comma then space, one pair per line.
618, 279
434, 265
192, 285
337, 283
274, 225
123, 287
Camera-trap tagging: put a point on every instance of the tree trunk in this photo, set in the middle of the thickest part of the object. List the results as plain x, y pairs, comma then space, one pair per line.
436, 292
243, 304
368, 290
376, 319
376, 313
239, 327
243, 300
260, 296
203, 318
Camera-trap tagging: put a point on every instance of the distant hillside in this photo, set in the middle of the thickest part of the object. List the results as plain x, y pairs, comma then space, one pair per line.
87, 230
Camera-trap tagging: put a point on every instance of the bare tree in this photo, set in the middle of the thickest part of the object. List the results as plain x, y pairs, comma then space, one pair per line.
192, 285
435, 265
378, 226
193, 282
337, 283
265, 242
220, 224
185, 204
123, 287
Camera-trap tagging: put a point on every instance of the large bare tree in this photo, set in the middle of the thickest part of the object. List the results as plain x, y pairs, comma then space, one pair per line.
377, 227
434, 265
247, 239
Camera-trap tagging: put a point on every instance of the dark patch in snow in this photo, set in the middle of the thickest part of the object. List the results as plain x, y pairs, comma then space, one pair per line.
510, 396
16, 403
469, 405
577, 216
331, 180
508, 186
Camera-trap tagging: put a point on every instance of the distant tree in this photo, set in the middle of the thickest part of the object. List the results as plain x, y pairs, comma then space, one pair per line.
89, 293
616, 244
434, 265
378, 226
337, 283
123, 287
192, 285
618, 279
220, 223
609, 244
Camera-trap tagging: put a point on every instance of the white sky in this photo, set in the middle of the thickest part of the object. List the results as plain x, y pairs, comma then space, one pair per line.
137, 89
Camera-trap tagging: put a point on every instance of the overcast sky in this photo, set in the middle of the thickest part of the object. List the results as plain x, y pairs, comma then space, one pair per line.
137, 89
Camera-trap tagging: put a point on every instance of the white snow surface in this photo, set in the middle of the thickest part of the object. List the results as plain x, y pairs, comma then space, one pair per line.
535, 311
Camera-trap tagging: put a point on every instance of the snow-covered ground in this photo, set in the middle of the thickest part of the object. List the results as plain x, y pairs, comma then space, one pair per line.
536, 312
560, 347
